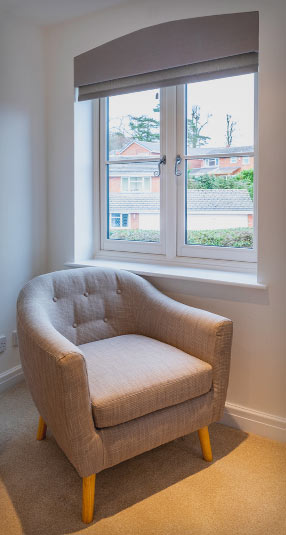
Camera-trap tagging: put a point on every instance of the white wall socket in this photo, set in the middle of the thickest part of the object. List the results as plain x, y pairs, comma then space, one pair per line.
14, 338
3, 343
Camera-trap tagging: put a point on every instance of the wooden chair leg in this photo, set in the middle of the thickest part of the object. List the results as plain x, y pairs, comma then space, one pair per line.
88, 488
42, 429
205, 444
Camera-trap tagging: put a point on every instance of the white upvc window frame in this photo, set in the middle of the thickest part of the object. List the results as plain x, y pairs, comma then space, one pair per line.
109, 244
121, 218
130, 177
172, 217
207, 161
205, 251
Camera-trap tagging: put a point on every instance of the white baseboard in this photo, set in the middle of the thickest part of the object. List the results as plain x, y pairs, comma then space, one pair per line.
248, 420
11, 377
252, 421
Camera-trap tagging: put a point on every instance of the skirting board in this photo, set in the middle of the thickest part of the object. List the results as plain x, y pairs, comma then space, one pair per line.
247, 420
252, 421
11, 377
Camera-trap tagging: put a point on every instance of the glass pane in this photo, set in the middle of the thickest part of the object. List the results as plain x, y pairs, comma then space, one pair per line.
133, 125
137, 210
220, 115
219, 208
219, 199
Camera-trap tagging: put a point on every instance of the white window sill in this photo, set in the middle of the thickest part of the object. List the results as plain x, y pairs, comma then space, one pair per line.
230, 278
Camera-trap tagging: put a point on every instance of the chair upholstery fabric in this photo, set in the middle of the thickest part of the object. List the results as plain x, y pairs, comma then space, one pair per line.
133, 375
61, 311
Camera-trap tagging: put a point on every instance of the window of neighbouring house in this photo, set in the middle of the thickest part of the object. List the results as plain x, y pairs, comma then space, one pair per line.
233, 159
118, 220
136, 184
211, 162
245, 160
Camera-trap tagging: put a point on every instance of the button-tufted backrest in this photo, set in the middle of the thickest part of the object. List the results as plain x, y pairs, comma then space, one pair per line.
85, 304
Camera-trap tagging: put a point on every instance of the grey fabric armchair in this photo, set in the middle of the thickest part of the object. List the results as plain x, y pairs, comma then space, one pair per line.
116, 368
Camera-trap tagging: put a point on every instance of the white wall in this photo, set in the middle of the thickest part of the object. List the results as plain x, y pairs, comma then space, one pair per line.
206, 221
22, 170
257, 379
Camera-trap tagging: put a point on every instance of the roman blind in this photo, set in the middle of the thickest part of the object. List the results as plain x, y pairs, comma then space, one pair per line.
168, 54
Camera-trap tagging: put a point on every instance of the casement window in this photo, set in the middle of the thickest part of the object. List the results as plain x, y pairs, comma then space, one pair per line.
135, 184
176, 208
167, 129
118, 220
211, 162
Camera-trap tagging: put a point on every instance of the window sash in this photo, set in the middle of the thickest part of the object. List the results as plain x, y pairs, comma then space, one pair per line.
109, 244
208, 251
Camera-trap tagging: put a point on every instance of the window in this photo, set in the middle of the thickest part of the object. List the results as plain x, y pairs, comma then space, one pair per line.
118, 220
211, 162
136, 183
203, 207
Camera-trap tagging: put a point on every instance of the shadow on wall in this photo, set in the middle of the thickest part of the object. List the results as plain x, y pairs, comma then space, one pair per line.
45, 490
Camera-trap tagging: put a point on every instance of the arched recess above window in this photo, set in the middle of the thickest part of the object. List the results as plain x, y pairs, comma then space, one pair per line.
169, 54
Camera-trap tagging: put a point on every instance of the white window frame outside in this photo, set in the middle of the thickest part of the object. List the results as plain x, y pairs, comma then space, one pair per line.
245, 160
120, 226
172, 219
233, 159
130, 177
207, 161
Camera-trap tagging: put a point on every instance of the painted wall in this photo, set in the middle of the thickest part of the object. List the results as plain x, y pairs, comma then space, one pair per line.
257, 377
22, 169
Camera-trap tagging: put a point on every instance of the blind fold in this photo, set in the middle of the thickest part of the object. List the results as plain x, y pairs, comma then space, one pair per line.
170, 54
207, 70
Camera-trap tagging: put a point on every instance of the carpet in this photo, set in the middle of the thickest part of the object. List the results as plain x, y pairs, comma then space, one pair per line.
167, 491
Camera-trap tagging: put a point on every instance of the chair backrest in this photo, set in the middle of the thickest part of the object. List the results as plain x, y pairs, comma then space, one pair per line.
84, 304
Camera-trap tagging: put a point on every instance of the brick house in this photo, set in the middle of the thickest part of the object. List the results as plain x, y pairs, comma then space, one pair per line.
134, 190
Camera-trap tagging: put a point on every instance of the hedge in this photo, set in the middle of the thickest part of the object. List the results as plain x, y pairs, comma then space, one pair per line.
233, 237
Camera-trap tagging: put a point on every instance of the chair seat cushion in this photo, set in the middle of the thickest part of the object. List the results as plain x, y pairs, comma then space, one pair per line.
133, 375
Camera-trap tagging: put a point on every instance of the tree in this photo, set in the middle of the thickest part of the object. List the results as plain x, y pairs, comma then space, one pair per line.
117, 140
230, 128
195, 127
144, 128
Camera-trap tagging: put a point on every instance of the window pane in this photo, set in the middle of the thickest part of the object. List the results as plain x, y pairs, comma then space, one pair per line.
219, 190
125, 183
133, 125
219, 209
136, 183
139, 210
220, 115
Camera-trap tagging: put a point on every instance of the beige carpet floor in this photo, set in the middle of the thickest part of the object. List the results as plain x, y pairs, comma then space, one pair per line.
168, 491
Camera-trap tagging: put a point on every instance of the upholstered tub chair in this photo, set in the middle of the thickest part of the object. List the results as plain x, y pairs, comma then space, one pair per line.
116, 368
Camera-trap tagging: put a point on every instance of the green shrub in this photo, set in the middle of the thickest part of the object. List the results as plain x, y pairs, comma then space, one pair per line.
233, 237
244, 180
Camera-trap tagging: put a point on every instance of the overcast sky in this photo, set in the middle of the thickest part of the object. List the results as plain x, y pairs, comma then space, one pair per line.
217, 97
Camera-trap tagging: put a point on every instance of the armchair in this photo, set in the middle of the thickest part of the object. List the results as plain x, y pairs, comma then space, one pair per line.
116, 368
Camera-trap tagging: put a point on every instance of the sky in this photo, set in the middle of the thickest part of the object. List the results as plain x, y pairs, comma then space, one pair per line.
234, 95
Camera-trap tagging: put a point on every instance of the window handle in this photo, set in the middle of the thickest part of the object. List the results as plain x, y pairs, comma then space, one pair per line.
178, 161
160, 162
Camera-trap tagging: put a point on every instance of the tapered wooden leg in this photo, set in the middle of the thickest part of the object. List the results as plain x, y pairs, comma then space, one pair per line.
88, 488
205, 444
42, 429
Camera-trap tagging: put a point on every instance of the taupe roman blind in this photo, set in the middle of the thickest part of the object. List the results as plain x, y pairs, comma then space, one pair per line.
168, 54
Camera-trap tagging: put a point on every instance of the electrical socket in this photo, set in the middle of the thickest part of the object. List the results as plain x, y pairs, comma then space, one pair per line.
14, 338
3, 344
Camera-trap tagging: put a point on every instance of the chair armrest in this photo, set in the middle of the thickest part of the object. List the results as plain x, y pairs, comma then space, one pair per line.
55, 371
202, 334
